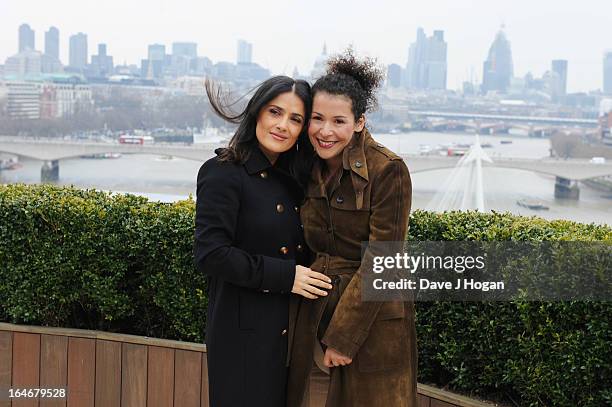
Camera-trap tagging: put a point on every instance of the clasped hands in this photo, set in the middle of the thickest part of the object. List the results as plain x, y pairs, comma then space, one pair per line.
309, 284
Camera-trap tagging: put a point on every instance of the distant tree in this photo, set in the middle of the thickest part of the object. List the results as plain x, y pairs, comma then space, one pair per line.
122, 109
182, 111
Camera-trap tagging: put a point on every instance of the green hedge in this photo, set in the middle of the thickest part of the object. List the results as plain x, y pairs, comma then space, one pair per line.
88, 259
528, 353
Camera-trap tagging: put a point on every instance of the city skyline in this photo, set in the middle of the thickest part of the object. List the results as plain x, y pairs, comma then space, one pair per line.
549, 31
427, 62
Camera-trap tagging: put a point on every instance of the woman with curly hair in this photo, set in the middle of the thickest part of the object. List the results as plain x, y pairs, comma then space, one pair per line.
344, 351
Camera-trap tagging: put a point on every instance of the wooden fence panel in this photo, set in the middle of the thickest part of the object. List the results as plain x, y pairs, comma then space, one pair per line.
160, 386
53, 367
103, 369
134, 375
108, 374
188, 378
81, 372
26, 365
6, 363
423, 401
204, 395
440, 403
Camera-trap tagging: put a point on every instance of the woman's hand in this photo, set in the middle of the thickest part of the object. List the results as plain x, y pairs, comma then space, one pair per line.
307, 283
333, 358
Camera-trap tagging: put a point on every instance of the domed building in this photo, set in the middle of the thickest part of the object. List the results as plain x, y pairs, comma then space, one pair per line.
320, 64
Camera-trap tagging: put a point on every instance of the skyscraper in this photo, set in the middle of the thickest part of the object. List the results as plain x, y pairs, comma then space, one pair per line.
559, 85
435, 64
78, 51
185, 49
498, 69
244, 52
102, 64
416, 56
52, 42
157, 52
183, 53
26, 38
607, 67
394, 75
427, 65
153, 66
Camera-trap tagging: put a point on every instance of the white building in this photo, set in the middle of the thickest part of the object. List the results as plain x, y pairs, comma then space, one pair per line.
23, 100
63, 99
191, 85
46, 100
25, 63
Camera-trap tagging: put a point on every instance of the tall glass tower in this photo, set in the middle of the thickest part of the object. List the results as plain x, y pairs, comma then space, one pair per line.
26, 38
498, 69
427, 65
52, 42
607, 65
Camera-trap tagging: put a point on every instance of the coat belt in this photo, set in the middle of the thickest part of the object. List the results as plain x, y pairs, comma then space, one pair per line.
334, 265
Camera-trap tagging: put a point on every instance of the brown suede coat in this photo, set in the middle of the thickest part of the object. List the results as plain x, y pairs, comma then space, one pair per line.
370, 202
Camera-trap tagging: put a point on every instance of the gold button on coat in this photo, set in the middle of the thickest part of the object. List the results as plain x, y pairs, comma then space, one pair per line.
263, 174
284, 250
299, 248
280, 208
284, 332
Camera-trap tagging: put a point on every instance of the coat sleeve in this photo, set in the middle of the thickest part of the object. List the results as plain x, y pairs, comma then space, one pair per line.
219, 192
390, 208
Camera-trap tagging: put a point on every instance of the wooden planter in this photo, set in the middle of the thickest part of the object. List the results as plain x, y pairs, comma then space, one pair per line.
102, 369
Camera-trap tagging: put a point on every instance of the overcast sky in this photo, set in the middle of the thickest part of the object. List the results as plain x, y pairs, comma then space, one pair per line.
291, 33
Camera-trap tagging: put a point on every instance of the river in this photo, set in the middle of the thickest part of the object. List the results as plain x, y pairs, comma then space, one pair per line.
174, 179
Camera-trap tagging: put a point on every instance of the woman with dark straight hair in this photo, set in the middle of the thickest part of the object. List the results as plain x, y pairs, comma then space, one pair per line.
249, 242
345, 351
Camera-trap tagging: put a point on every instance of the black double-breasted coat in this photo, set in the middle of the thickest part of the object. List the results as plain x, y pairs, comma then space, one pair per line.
248, 239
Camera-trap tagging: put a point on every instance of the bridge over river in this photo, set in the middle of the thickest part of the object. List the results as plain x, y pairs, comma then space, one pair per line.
567, 171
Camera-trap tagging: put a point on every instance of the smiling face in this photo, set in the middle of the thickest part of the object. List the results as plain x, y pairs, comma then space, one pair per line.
279, 124
332, 125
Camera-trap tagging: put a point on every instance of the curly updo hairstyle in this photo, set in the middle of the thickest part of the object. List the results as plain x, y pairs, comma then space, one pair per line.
356, 79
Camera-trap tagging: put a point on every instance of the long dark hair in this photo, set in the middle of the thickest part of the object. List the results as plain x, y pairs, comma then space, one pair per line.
299, 158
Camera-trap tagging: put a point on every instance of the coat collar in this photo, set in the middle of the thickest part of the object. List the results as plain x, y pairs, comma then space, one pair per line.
256, 162
353, 156
353, 161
